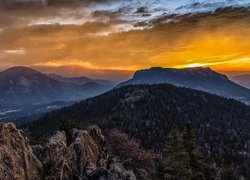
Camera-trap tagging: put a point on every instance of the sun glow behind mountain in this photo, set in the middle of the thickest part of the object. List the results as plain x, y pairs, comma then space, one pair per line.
123, 36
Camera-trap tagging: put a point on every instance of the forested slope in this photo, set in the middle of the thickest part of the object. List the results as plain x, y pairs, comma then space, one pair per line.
149, 112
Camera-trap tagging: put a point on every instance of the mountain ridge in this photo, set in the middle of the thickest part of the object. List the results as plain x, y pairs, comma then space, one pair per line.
199, 78
20, 70
243, 80
22, 85
149, 112
78, 80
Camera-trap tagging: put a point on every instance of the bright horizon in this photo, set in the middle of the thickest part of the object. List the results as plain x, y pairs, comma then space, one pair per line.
116, 75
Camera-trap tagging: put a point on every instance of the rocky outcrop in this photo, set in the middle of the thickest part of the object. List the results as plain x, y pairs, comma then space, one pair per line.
55, 157
114, 171
85, 153
86, 158
17, 160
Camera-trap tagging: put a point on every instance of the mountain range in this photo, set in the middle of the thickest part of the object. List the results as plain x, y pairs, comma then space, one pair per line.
25, 92
25, 86
199, 78
145, 107
79, 80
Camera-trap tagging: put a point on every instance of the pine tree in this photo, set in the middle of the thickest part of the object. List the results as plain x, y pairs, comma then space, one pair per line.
175, 158
198, 166
228, 173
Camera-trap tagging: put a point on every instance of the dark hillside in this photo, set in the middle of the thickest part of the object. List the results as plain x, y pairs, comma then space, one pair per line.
148, 112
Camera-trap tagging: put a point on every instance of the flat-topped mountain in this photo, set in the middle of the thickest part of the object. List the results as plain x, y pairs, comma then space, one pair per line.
204, 79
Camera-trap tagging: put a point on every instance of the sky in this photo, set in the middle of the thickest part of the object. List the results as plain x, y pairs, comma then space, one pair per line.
112, 39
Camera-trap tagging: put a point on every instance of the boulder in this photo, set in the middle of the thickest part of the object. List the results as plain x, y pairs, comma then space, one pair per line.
116, 170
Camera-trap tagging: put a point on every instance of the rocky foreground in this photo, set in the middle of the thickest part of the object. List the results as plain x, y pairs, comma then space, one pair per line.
84, 158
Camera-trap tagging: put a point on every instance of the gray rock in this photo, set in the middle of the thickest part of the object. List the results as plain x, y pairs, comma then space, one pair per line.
85, 159
55, 157
16, 158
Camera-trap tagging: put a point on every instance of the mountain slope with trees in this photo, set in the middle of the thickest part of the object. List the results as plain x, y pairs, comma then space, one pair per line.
149, 112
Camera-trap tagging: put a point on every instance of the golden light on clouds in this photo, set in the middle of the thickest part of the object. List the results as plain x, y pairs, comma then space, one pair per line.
223, 49
219, 40
14, 51
68, 62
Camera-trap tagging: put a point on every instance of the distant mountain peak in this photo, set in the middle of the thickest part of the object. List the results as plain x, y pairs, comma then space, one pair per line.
80, 80
20, 70
61, 76
23, 86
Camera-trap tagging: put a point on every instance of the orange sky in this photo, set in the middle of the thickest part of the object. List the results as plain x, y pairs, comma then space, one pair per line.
103, 48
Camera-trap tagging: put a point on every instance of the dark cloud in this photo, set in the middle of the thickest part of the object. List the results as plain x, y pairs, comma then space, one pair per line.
23, 3
20, 13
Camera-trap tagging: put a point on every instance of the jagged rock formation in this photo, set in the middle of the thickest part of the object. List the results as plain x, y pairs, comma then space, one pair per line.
85, 158
54, 156
16, 158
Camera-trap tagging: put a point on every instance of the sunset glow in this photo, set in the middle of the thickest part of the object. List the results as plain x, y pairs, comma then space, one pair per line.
95, 38
125, 89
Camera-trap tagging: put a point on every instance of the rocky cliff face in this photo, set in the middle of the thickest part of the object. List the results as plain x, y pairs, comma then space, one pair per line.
85, 158
17, 160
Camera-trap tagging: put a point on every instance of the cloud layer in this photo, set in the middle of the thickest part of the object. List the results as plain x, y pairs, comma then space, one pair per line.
100, 37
